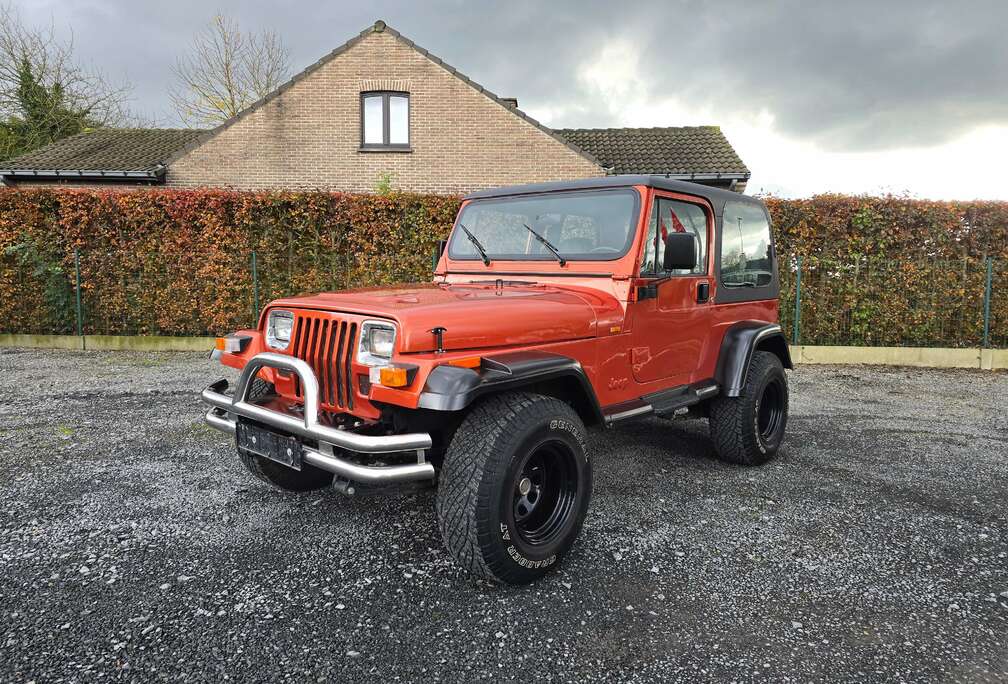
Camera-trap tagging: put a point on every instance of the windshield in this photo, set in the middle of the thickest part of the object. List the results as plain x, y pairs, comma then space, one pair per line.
582, 226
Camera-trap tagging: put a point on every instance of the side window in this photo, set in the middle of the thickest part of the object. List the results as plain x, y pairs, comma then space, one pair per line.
673, 216
745, 246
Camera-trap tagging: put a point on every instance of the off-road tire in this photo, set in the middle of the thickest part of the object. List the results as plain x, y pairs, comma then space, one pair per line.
736, 422
503, 441
309, 478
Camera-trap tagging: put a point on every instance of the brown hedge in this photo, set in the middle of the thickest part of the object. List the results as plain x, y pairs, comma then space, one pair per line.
178, 262
876, 270
892, 270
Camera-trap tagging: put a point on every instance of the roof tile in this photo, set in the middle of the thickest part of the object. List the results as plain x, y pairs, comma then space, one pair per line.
114, 149
678, 151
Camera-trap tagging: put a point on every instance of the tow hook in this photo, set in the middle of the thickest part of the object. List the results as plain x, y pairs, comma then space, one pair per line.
344, 486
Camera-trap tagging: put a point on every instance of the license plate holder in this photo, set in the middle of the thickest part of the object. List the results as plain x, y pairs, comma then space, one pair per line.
257, 440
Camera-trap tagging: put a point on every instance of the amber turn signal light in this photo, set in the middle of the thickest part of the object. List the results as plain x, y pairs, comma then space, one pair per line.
466, 362
390, 376
230, 345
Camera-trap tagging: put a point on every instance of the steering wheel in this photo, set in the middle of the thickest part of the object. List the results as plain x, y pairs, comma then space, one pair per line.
604, 248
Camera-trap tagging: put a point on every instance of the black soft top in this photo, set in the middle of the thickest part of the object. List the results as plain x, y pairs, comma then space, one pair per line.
717, 196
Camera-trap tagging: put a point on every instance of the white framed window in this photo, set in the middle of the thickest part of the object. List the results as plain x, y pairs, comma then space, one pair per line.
385, 121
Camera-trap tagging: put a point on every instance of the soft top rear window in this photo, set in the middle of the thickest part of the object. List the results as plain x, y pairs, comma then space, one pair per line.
595, 225
746, 258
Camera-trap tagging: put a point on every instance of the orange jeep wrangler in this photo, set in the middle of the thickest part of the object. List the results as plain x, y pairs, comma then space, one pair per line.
554, 307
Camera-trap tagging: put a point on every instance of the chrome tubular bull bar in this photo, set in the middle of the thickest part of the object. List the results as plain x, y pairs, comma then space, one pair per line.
226, 408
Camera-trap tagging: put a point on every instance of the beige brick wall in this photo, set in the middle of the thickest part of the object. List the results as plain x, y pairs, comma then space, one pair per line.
308, 137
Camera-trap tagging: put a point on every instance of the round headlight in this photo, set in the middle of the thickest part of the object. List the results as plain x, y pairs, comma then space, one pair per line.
278, 329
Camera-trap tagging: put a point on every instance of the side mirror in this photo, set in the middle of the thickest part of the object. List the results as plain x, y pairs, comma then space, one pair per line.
680, 251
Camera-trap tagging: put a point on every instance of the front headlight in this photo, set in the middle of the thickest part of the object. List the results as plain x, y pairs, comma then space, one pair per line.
278, 329
377, 340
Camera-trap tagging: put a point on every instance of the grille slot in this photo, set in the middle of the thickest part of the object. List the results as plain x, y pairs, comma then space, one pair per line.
327, 344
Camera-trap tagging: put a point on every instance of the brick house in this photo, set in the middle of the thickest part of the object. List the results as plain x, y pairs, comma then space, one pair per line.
378, 108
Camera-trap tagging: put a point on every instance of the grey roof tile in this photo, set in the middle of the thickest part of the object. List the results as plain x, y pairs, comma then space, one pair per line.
113, 149
678, 151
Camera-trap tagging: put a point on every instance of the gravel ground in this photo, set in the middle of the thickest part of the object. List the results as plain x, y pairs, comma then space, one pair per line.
133, 546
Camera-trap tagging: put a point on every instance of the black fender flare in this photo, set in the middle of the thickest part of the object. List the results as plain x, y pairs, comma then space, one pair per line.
737, 347
450, 388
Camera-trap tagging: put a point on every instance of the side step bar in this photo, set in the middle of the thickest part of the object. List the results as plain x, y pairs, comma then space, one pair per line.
660, 403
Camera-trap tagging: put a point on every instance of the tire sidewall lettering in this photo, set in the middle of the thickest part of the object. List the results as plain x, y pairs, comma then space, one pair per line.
756, 431
528, 563
561, 424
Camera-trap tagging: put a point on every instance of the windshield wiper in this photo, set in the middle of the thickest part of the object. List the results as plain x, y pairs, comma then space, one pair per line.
477, 245
547, 244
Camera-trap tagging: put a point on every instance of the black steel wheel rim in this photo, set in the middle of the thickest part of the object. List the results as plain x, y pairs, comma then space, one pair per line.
771, 409
544, 494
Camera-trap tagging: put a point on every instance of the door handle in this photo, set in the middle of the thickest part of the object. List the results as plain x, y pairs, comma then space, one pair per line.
702, 292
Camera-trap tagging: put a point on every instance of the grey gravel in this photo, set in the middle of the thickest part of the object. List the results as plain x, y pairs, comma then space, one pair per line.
134, 547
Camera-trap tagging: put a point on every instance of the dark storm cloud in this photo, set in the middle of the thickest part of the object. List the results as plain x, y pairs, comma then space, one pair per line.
848, 75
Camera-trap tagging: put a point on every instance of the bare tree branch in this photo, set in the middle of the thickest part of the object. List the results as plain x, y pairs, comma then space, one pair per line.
226, 71
45, 93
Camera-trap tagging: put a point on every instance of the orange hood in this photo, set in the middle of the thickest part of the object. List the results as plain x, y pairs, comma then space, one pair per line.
474, 315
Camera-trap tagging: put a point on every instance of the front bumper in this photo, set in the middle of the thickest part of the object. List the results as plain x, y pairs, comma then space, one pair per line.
225, 409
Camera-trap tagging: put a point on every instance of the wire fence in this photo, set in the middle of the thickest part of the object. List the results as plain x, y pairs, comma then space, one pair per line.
860, 302
923, 303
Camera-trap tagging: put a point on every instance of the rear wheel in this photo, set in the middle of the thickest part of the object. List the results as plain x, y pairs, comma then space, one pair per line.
514, 488
307, 479
748, 429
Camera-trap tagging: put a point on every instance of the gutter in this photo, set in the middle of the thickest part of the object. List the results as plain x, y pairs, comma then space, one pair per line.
154, 175
693, 176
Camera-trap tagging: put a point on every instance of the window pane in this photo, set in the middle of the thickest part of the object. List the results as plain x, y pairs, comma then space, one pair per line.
745, 246
398, 120
373, 134
680, 217
648, 264
584, 226
670, 216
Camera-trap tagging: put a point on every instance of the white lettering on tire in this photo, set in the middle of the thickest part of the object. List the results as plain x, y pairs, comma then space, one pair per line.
521, 560
756, 430
557, 424
759, 437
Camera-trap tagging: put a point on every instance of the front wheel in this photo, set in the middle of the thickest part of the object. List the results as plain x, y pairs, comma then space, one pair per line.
748, 429
514, 488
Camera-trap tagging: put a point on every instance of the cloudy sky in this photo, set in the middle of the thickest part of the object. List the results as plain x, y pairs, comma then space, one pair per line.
845, 96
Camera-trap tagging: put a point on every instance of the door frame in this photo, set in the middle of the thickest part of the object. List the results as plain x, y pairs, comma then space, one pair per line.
643, 309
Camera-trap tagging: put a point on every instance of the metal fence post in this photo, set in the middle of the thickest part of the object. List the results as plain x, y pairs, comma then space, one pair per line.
987, 301
77, 293
795, 330
255, 286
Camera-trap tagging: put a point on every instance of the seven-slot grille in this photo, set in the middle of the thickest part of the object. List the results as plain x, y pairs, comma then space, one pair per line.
328, 345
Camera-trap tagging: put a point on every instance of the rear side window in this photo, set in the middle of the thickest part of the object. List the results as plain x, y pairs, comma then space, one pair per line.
673, 216
745, 246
